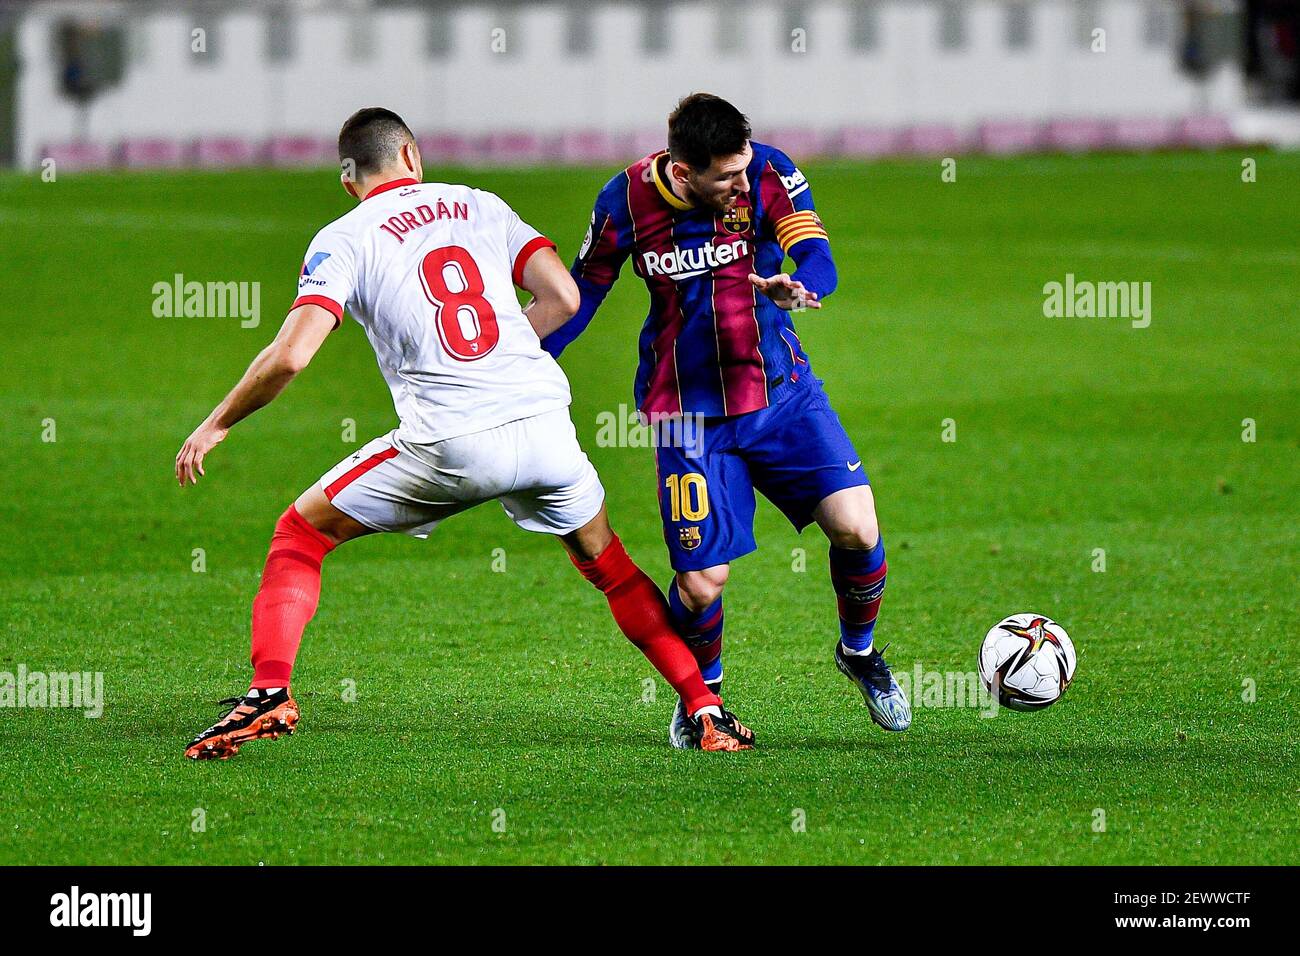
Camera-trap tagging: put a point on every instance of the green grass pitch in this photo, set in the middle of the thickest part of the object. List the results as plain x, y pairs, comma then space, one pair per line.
480, 691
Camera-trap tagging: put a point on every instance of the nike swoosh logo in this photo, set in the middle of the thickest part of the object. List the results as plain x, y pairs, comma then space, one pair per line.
854, 465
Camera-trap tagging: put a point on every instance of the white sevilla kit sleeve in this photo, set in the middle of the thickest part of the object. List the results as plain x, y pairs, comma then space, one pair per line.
429, 272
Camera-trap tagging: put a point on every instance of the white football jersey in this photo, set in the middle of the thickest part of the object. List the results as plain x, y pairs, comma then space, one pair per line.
429, 270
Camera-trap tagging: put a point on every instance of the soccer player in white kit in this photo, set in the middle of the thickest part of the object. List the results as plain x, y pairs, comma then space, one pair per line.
428, 270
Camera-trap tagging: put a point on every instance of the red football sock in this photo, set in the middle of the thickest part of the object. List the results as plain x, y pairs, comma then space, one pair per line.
287, 598
641, 613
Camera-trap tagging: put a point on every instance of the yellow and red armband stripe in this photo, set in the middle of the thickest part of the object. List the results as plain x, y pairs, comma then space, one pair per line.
800, 225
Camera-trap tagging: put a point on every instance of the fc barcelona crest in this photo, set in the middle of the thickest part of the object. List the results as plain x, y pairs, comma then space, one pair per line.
737, 219
689, 538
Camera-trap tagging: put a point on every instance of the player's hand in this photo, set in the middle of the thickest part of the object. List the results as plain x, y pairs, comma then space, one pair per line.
189, 460
785, 292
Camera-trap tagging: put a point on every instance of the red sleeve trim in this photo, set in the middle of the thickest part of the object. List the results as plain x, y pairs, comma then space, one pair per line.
526, 253
325, 302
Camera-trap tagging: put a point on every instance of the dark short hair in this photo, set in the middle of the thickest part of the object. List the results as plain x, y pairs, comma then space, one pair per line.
371, 139
703, 127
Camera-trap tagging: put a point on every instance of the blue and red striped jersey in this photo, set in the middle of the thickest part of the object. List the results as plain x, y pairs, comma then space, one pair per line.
711, 344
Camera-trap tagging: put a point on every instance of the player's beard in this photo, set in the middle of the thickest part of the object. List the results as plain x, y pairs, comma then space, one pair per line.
717, 204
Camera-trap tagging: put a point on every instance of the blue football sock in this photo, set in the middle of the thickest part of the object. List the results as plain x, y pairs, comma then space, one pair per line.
859, 580
702, 632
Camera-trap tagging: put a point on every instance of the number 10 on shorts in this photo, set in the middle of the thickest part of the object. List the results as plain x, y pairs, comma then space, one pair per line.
688, 496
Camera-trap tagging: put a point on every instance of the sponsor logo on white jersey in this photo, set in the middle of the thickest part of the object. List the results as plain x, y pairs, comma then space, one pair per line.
682, 264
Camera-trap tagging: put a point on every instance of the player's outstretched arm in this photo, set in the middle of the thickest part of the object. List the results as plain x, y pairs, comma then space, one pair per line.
275, 367
814, 279
789, 212
555, 294
786, 292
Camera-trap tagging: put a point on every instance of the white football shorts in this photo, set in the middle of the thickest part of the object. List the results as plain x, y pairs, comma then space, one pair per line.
533, 466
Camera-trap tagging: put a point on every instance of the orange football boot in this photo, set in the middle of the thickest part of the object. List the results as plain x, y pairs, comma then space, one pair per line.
724, 733
251, 718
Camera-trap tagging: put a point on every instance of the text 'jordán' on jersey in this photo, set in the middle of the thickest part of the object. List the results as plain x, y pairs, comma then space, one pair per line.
429, 271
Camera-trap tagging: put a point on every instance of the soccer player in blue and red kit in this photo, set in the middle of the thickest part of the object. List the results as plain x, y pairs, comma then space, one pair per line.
708, 224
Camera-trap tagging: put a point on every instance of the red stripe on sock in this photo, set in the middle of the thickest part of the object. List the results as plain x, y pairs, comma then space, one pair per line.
708, 653
858, 612
851, 612
860, 579
710, 623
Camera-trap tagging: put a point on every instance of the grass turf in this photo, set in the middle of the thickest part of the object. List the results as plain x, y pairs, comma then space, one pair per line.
479, 691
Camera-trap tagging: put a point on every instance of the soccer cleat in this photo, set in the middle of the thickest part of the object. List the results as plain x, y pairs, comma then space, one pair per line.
722, 733
884, 698
682, 731
250, 718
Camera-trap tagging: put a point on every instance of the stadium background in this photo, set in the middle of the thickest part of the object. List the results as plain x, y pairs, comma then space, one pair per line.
467, 699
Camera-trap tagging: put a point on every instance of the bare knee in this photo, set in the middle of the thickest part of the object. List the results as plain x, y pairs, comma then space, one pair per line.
853, 524
320, 513
699, 589
589, 542
857, 536
848, 518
